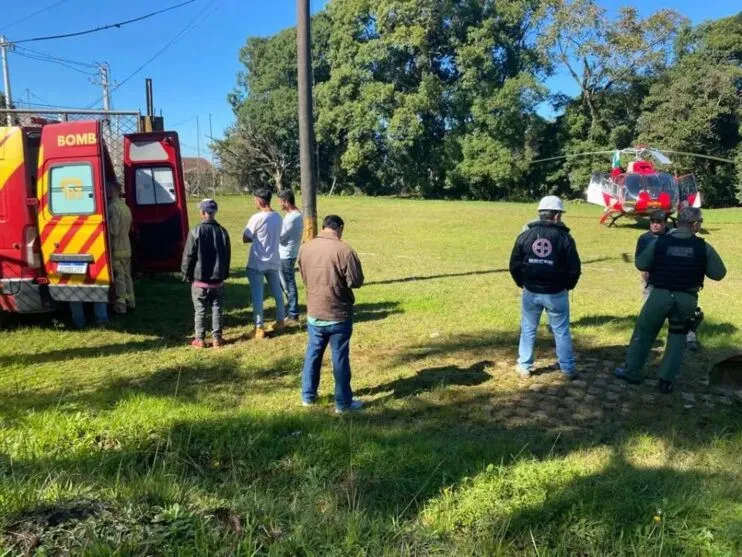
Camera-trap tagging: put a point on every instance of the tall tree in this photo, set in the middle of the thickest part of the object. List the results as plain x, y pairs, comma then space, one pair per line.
697, 107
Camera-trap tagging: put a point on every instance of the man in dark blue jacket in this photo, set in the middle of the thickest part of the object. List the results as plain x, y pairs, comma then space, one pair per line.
206, 260
545, 264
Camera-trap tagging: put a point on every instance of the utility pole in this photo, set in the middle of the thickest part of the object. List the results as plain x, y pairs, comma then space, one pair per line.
4, 44
198, 156
104, 69
213, 168
306, 119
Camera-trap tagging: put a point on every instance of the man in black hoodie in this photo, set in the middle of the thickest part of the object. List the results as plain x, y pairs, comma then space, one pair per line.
206, 259
546, 265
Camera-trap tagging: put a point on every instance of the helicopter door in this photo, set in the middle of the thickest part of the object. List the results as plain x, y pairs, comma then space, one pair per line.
688, 189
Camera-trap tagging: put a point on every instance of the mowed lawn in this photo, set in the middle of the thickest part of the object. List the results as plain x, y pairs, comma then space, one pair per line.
126, 441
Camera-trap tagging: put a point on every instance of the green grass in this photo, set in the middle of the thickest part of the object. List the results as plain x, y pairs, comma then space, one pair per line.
125, 441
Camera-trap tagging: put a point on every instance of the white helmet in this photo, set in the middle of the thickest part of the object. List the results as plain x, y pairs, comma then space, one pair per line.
551, 203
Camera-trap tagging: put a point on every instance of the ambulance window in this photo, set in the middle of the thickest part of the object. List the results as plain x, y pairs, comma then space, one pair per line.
72, 190
155, 186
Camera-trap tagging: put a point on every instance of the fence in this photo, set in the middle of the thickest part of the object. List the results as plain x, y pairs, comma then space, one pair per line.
114, 125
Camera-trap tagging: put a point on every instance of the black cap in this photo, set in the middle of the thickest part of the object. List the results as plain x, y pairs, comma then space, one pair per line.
658, 215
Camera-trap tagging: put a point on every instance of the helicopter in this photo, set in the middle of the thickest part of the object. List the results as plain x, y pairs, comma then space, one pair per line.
640, 189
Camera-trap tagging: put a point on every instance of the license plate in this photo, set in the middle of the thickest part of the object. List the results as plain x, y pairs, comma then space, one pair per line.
72, 268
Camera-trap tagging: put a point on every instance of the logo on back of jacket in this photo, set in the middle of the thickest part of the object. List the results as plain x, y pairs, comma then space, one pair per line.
542, 249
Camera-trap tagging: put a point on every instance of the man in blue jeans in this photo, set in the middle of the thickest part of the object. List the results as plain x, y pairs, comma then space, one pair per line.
545, 264
330, 269
263, 233
291, 232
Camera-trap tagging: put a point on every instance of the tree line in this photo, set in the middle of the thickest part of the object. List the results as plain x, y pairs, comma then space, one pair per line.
450, 98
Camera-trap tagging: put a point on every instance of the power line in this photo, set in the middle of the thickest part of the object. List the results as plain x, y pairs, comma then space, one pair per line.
104, 27
53, 57
29, 16
177, 36
183, 122
51, 61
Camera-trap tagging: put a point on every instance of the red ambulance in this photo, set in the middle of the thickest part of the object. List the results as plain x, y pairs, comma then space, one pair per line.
54, 243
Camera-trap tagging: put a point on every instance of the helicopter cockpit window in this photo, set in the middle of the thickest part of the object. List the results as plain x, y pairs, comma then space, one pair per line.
632, 186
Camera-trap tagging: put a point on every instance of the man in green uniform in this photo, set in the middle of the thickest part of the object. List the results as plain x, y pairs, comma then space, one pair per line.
677, 263
119, 227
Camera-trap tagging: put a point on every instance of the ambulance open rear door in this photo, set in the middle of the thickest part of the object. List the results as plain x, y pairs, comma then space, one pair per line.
74, 165
155, 193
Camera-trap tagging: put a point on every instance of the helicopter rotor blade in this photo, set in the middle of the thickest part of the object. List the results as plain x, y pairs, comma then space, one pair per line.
660, 156
573, 155
710, 157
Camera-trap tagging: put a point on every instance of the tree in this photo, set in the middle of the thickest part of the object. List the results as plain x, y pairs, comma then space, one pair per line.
263, 145
697, 107
601, 54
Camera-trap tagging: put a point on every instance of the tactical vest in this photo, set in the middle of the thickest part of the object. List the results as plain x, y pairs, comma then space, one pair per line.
679, 264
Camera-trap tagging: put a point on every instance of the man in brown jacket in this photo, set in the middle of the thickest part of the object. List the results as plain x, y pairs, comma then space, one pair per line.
330, 270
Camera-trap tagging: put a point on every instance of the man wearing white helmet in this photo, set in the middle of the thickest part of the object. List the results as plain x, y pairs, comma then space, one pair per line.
545, 264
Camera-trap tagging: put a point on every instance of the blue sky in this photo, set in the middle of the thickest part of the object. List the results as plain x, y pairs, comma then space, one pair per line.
195, 74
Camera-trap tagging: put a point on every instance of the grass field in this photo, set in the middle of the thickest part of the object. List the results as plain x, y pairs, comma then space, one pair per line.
125, 441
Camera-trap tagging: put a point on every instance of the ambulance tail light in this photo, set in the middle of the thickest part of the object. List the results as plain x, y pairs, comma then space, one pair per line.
32, 247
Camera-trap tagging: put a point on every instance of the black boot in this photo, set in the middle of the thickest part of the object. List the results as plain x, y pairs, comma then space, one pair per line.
665, 387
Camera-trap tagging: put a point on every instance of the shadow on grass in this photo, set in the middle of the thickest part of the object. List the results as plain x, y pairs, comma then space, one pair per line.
627, 322
405, 454
157, 322
462, 274
433, 378
220, 380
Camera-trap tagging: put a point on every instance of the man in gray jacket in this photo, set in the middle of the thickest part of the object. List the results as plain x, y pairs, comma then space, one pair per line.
206, 260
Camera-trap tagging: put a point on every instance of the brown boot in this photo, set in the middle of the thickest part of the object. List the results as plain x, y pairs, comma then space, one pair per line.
259, 333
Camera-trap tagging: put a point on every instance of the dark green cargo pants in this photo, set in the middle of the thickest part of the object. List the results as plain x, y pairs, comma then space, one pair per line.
678, 308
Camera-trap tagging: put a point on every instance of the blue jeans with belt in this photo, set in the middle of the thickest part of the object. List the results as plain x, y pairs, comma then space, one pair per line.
338, 337
557, 309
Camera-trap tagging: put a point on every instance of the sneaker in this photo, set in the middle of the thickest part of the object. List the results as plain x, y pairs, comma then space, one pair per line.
665, 387
523, 373
691, 342
219, 343
292, 321
279, 326
198, 343
354, 407
620, 373
259, 333
571, 376
307, 403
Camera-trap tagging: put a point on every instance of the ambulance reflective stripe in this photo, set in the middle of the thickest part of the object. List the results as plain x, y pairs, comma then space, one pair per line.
11, 143
98, 272
71, 235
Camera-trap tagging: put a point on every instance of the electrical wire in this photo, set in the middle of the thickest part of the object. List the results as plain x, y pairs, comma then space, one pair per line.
48, 56
29, 16
104, 27
66, 65
183, 122
177, 36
